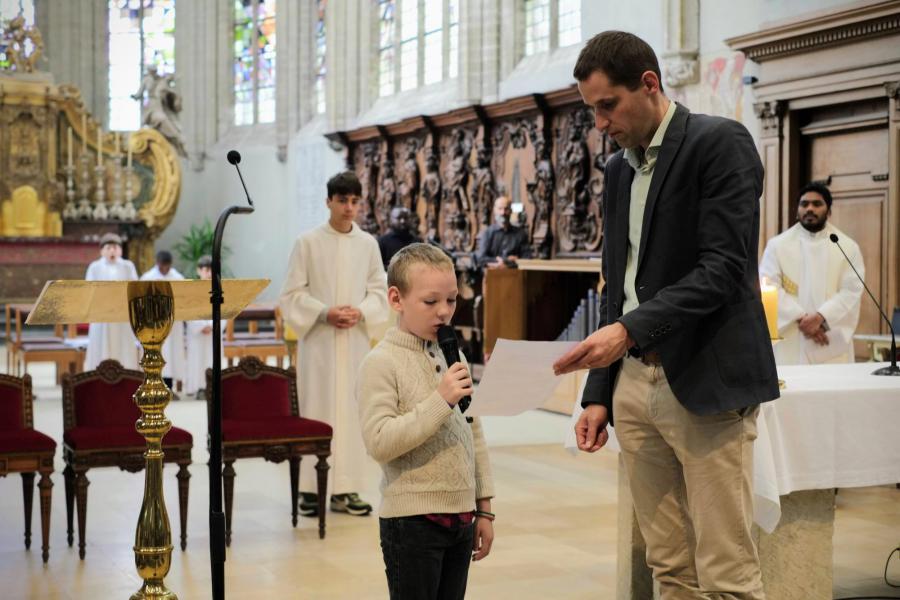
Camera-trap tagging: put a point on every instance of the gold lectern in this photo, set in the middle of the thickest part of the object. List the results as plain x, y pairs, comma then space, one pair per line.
150, 307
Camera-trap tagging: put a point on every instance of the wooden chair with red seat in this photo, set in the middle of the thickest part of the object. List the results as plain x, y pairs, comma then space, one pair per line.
24, 450
99, 416
261, 419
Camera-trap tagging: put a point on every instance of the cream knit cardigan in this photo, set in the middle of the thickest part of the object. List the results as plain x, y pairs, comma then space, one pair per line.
433, 460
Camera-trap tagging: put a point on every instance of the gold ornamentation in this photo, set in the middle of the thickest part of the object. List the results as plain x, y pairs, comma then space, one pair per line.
151, 311
14, 37
789, 285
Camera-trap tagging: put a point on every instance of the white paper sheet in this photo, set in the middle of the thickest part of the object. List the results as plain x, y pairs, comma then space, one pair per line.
518, 377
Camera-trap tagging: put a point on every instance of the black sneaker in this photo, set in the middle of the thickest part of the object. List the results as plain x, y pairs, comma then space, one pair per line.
351, 504
309, 504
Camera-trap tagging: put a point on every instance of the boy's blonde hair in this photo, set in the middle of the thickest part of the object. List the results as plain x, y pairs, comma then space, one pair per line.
415, 254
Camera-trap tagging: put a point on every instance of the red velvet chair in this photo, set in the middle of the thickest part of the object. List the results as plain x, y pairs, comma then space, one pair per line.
261, 419
99, 415
24, 450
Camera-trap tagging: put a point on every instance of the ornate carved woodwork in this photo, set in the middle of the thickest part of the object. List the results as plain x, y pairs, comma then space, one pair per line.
541, 151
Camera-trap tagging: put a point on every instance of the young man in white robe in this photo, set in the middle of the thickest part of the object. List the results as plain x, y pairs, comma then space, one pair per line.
335, 299
173, 347
818, 293
111, 340
198, 341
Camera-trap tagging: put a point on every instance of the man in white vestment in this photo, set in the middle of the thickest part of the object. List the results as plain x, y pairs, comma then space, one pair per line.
111, 340
173, 347
818, 293
199, 353
335, 298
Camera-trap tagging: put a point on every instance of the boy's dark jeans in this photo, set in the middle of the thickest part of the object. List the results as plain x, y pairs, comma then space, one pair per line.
425, 561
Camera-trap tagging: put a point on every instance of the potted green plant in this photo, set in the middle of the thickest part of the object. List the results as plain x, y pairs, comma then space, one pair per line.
197, 242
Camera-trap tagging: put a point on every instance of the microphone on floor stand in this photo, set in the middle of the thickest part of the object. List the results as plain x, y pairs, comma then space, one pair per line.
446, 338
893, 369
214, 424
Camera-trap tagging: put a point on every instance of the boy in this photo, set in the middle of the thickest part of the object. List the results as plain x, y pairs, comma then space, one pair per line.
199, 356
111, 340
437, 478
173, 347
334, 298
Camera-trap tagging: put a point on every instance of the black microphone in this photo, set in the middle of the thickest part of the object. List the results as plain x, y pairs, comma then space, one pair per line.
234, 157
893, 369
446, 338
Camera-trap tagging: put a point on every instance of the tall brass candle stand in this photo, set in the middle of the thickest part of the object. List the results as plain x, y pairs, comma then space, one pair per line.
151, 310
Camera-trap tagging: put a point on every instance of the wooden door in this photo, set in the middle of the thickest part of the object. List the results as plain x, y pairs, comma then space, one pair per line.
847, 147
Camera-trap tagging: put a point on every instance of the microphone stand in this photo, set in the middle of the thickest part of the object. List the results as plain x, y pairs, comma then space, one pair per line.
214, 426
893, 369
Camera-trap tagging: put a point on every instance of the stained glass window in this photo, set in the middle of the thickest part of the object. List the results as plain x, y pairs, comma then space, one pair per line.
427, 40
386, 29
320, 57
141, 35
254, 61
569, 22
409, 44
537, 26
10, 9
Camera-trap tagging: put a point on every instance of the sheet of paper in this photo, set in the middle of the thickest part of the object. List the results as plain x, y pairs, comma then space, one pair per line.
518, 377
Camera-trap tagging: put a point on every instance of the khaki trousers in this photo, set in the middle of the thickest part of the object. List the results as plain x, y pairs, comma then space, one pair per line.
691, 481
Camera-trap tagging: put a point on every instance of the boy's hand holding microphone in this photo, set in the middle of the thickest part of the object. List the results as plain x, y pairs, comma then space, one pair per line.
455, 384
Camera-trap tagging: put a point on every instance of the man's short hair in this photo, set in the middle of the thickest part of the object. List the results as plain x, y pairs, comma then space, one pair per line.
345, 183
110, 238
415, 254
164, 257
204, 261
819, 188
623, 57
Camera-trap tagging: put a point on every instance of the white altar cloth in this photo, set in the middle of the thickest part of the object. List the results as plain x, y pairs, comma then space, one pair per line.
834, 426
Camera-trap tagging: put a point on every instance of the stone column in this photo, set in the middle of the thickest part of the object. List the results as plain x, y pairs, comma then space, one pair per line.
680, 64
771, 151
197, 67
76, 45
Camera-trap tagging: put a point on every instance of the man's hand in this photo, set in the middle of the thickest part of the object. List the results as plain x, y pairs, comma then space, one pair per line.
590, 430
206, 330
343, 317
810, 324
602, 348
820, 338
497, 264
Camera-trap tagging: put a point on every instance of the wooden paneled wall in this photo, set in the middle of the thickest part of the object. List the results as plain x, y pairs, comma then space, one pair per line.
542, 151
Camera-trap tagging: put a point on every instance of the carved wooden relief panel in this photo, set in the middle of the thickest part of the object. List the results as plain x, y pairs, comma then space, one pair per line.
541, 151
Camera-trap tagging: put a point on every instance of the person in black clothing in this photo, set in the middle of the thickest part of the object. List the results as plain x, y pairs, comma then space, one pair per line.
502, 244
399, 234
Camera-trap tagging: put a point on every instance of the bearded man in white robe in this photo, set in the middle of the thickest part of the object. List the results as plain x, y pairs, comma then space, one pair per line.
818, 292
335, 299
173, 347
111, 340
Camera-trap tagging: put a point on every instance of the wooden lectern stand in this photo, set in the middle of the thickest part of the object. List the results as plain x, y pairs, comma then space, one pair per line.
535, 302
150, 307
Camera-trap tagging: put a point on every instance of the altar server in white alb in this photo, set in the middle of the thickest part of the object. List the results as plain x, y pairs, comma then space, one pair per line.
335, 299
198, 348
173, 347
111, 340
818, 293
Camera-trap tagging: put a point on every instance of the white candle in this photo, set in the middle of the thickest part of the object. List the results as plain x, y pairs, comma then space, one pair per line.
83, 133
128, 143
99, 146
69, 146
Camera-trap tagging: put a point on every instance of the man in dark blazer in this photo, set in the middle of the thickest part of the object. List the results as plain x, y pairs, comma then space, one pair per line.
683, 358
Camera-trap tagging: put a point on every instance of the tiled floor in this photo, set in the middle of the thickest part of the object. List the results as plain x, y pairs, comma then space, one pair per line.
556, 527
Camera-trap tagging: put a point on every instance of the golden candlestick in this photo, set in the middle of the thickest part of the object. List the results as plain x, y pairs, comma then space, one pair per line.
151, 311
